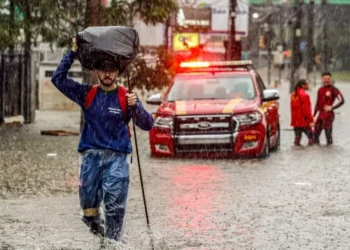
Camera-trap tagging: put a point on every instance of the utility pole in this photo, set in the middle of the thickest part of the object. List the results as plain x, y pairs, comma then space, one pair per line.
269, 48
310, 39
280, 49
234, 50
166, 35
296, 53
269, 41
325, 49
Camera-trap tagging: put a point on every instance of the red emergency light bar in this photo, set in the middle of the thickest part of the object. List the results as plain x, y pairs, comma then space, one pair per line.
227, 64
195, 65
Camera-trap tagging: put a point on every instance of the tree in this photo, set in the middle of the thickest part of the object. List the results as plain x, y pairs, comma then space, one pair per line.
6, 39
57, 21
152, 74
158, 72
123, 12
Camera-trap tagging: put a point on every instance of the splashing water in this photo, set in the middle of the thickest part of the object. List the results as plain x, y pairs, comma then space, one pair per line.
145, 240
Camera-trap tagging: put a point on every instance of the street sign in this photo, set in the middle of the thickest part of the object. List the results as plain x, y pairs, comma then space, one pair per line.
185, 41
220, 14
194, 18
242, 17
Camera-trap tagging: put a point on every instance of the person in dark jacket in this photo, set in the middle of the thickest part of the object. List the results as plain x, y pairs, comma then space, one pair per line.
301, 112
326, 97
104, 145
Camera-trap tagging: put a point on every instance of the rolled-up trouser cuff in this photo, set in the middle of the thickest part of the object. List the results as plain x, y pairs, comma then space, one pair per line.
89, 212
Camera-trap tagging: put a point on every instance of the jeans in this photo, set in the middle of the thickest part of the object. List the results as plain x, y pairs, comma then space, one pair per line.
104, 176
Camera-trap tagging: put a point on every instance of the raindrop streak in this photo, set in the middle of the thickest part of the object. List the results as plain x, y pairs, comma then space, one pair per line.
303, 184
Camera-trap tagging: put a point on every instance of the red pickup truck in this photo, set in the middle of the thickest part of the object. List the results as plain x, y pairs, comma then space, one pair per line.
216, 107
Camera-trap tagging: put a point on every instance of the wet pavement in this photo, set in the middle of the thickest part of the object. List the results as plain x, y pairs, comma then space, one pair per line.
296, 199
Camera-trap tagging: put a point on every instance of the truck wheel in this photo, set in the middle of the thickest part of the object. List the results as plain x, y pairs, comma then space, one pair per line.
278, 140
266, 151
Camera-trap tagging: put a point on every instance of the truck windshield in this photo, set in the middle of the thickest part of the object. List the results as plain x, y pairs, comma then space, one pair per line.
212, 87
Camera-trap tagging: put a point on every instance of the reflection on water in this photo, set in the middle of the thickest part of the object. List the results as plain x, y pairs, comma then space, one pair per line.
193, 210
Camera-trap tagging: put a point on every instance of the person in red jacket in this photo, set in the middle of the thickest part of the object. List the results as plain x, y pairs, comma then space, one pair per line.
302, 119
326, 97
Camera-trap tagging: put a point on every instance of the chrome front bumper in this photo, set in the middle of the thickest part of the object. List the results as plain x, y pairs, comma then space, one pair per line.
204, 139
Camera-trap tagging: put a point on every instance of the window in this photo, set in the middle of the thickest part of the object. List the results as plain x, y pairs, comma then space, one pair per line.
73, 74
261, 85
212, 87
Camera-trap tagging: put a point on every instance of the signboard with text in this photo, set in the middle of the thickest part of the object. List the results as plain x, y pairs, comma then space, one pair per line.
185, 41
193, 18
220, 14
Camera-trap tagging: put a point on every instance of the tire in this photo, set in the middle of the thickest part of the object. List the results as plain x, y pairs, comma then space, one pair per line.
266, 151
278, 140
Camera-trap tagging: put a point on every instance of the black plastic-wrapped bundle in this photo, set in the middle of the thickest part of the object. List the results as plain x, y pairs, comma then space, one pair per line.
107, 47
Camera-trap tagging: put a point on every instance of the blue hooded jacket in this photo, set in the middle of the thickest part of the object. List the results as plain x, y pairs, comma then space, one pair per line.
104, 126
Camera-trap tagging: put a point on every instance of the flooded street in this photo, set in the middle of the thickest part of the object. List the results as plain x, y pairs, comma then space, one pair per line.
296, 199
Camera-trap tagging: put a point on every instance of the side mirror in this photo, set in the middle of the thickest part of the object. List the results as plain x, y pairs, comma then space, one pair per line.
270, 95
154, 99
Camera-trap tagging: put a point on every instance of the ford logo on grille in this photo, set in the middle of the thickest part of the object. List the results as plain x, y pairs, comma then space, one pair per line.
204, 125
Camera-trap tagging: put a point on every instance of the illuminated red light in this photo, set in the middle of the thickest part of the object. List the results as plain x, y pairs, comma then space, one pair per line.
229, 64
194, 65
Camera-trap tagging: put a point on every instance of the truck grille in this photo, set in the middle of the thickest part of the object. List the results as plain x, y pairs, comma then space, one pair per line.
204, 133
203, 125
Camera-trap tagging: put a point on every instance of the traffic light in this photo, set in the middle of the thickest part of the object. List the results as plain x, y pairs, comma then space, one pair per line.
262, 42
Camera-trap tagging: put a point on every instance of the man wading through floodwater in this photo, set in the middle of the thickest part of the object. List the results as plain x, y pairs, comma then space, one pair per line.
104, 143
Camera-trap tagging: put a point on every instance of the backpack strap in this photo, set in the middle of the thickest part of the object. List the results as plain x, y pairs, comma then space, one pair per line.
90, 96
123, 102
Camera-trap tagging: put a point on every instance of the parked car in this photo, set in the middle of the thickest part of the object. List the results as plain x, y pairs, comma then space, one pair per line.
216, 107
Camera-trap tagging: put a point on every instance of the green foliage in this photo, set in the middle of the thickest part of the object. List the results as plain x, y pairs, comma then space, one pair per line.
116, 14
155, 11
122, 12
72, 20
57, 21
5, 38
36, 18
156, 72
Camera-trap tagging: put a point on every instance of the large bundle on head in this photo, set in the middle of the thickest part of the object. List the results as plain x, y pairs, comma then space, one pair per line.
107, 47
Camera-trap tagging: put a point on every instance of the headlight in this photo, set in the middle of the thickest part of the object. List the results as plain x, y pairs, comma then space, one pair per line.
248, 118
164, 123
